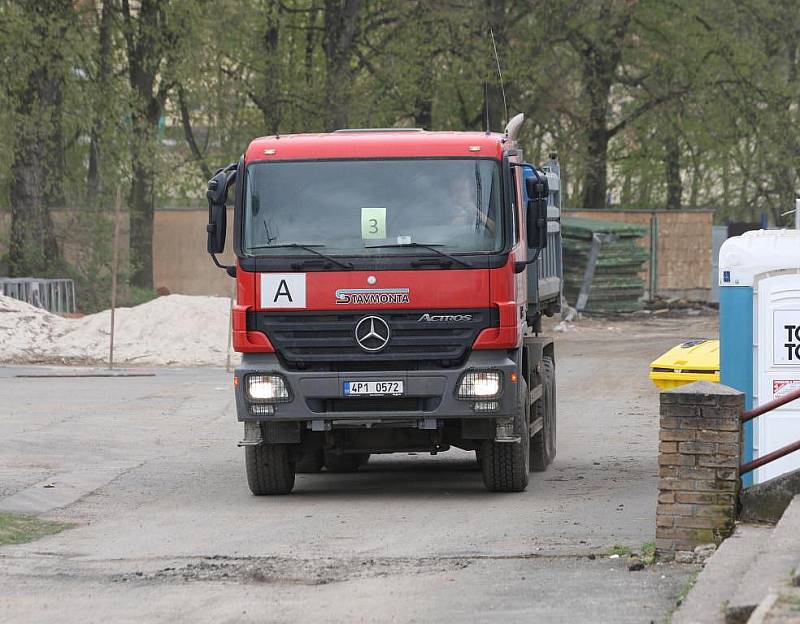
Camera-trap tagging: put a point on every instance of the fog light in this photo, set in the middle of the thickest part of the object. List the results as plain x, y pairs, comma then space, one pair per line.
262, 409
267, 388
480, 385
486, 406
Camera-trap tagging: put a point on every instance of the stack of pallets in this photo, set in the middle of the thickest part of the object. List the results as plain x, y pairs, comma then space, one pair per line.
602, 265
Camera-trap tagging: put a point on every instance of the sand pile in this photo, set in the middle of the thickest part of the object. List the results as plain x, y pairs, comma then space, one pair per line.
26, 331
176, 330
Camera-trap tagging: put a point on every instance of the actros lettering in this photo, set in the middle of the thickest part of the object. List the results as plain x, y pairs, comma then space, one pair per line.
444, 318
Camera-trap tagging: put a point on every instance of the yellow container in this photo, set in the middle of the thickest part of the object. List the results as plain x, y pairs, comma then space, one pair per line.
695, 360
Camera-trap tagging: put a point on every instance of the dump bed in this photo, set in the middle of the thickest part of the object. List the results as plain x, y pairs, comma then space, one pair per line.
545, 283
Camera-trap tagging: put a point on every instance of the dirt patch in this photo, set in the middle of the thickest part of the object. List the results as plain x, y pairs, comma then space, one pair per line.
292, 571
683, 324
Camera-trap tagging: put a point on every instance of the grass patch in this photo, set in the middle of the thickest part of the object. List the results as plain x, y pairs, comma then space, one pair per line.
619, 549
687, 587
648, 553
790, 601
20, 528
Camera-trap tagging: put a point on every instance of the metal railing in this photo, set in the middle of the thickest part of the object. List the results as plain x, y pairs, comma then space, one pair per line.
784, 450
54, 295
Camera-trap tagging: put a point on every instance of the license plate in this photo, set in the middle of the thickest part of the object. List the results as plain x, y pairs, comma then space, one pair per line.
373, 388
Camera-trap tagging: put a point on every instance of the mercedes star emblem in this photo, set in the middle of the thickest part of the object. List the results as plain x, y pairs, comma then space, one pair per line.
372, 333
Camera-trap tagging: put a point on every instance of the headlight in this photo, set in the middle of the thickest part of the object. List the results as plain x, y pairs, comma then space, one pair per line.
267, 388
480, 385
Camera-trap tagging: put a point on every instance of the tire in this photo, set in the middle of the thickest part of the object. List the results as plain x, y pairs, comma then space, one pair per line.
344, 462
270, 469
543, 443
505, 465
311, 462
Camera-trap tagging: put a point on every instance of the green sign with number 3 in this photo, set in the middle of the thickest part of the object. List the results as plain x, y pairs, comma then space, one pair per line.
373, 223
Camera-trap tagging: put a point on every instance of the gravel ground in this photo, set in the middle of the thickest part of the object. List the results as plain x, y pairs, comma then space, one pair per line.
167, 531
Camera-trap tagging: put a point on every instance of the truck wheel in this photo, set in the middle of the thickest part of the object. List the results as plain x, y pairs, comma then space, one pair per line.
543, 443
344, 462
505, 465
311, 462
270, 469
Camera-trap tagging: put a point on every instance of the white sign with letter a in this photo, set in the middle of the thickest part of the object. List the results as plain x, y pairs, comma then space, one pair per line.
283, 290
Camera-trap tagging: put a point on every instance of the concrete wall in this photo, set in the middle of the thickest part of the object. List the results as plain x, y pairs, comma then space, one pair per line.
684, 247
180, 261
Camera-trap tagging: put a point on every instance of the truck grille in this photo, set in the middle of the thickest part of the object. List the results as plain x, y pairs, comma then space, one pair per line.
326, 340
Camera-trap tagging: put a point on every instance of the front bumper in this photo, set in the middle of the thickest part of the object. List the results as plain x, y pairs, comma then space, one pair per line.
429, 394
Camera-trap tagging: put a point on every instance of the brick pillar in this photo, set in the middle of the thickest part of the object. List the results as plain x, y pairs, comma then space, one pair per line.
698, 457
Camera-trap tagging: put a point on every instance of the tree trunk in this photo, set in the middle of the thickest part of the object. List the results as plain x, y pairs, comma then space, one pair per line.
149, 41
33, 248
596, 186
141, 224
672, 171
645, 192
93, 181
341, 29
423, 99
271, 81
188, 133
142, 197
37, 168
697, 178
423, 102
492, 119
626, 196
600, 58
726, 185
310, 44
496, 24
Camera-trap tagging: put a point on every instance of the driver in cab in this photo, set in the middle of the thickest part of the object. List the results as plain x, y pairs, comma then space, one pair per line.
465, 208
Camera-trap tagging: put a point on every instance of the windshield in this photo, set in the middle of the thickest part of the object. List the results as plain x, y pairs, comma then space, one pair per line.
373, 207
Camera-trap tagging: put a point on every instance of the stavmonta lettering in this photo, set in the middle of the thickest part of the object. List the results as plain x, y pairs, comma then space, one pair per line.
365, 296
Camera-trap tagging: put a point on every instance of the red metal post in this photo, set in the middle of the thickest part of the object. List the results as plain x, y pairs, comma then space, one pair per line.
784, 450
781, 452
770, 405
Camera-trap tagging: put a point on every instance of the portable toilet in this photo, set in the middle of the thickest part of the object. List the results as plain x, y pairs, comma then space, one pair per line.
759, 331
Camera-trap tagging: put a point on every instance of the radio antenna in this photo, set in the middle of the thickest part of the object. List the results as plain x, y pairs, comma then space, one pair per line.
486, 105
499, 73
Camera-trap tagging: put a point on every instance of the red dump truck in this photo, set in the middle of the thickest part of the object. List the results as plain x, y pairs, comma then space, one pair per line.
390, 290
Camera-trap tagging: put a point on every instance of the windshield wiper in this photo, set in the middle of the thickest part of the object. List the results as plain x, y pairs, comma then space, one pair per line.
424, 246
307, 247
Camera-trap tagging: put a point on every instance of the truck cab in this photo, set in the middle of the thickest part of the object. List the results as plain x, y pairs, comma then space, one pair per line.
390, 289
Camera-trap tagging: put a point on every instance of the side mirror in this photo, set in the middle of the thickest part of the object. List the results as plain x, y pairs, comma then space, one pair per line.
217, 195
536, 211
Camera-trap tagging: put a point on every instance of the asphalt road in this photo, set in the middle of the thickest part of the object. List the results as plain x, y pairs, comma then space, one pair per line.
148, 470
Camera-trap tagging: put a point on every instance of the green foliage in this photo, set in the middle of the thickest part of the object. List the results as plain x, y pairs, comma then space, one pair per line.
691, 103
20, 528
621, 550
686, 588
130, 296
648, 555
790, 601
